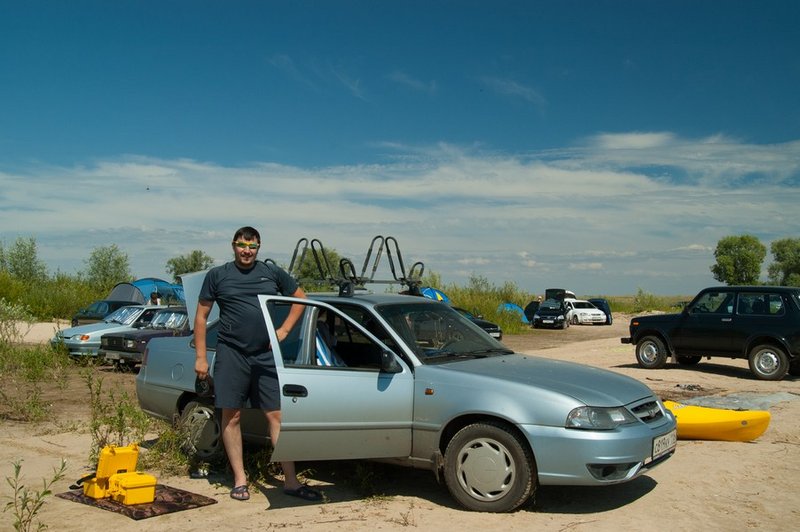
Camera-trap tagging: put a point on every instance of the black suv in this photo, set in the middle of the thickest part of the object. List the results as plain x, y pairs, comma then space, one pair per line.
759, 323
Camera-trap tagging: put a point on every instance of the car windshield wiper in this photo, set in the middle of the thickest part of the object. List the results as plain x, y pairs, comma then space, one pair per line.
491, 351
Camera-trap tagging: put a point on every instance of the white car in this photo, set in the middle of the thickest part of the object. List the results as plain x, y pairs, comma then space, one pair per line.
582, 312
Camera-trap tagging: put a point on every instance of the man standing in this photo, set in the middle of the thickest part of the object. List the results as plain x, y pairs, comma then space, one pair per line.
244, 367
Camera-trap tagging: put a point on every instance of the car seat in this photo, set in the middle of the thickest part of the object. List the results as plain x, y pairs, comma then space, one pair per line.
326, 354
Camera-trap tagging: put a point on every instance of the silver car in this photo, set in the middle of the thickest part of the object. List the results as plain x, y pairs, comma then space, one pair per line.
84, 340
409, 380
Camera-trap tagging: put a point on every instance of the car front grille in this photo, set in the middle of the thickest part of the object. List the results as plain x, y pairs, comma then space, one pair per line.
112, 342
648, 411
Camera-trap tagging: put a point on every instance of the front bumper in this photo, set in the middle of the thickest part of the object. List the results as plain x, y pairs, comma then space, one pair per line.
590, 458
127, 356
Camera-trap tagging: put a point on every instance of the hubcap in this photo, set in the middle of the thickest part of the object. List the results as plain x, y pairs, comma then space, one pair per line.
767, 362
485, 469
649, 352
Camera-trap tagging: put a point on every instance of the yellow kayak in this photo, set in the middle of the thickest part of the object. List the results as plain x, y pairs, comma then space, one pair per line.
703, 423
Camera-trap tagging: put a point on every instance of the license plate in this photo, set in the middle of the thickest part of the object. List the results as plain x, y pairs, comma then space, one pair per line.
664, 444
547, 321
112, 356
495, 335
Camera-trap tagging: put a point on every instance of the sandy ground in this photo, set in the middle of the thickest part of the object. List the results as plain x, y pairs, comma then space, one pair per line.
715, 485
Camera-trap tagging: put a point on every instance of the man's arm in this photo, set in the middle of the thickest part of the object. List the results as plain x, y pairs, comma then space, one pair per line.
200, 319
294, 314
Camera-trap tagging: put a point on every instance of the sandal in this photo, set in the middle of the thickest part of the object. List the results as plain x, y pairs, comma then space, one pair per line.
305, 493
240, 493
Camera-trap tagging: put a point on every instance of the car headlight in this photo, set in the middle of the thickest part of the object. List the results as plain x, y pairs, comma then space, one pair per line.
130, 344
596, 418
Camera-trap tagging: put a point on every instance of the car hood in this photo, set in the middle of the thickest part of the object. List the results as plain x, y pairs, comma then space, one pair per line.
545, 311
90, 328
585, 384
144, 334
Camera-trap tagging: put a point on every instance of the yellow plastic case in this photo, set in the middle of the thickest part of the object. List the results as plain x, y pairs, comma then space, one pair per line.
132, 488
116, 477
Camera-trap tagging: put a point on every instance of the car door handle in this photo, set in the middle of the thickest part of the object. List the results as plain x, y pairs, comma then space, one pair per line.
294, 390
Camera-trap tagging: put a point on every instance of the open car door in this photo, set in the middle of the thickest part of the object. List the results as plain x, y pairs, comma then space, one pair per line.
344, 394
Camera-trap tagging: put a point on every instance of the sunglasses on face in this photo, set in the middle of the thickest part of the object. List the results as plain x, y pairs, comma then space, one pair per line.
248, 245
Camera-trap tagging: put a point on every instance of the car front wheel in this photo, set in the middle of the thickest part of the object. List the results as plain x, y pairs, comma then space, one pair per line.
200, 431
651, 353
575, 320
488, 468
768, 363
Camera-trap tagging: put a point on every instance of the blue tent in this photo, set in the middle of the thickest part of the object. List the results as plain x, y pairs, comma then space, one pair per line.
511, 307
140, 289
434, 293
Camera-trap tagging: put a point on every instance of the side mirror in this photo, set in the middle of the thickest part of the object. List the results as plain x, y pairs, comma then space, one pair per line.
389, 363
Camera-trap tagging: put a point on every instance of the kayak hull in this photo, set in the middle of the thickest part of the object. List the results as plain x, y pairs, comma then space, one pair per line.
703, 423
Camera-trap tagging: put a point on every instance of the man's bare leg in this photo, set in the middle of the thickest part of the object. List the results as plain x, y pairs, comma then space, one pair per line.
232, 438
290, 481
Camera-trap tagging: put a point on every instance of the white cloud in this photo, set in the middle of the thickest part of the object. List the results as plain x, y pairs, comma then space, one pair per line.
596, 220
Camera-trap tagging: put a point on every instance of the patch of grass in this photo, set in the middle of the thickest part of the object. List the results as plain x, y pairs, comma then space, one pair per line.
165, 455
115, 418
26, 503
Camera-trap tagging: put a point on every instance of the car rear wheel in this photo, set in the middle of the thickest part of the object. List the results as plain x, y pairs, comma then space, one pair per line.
488, 468
686, 360
651, 353
575, 320
768, 362
200, 431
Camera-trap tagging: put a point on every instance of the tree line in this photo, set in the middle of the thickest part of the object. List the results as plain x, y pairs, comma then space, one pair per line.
740, 258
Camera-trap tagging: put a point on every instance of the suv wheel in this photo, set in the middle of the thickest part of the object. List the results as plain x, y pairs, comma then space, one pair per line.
689, 360
768, 363
202, 436
651, 353
488, 468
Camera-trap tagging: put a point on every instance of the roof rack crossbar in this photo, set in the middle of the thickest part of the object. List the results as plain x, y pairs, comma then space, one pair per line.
369, 255
294, 265
318, 250
346, 278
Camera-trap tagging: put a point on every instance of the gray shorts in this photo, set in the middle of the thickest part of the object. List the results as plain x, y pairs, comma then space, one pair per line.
239, 377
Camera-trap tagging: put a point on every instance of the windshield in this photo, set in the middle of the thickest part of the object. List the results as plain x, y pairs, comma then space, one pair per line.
124, 315
552, 304
436, 333
169, 319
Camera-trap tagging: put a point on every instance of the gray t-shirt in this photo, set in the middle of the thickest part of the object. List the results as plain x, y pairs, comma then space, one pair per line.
241, 322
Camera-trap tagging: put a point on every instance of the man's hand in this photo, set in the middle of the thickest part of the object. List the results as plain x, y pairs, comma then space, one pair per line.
201, 368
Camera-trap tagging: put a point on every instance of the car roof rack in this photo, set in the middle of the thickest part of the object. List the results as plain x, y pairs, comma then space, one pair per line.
346, 278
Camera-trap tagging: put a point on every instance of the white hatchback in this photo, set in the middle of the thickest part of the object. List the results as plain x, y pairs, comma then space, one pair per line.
582, 312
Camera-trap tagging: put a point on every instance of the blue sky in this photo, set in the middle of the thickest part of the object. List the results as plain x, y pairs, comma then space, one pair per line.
598, 146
